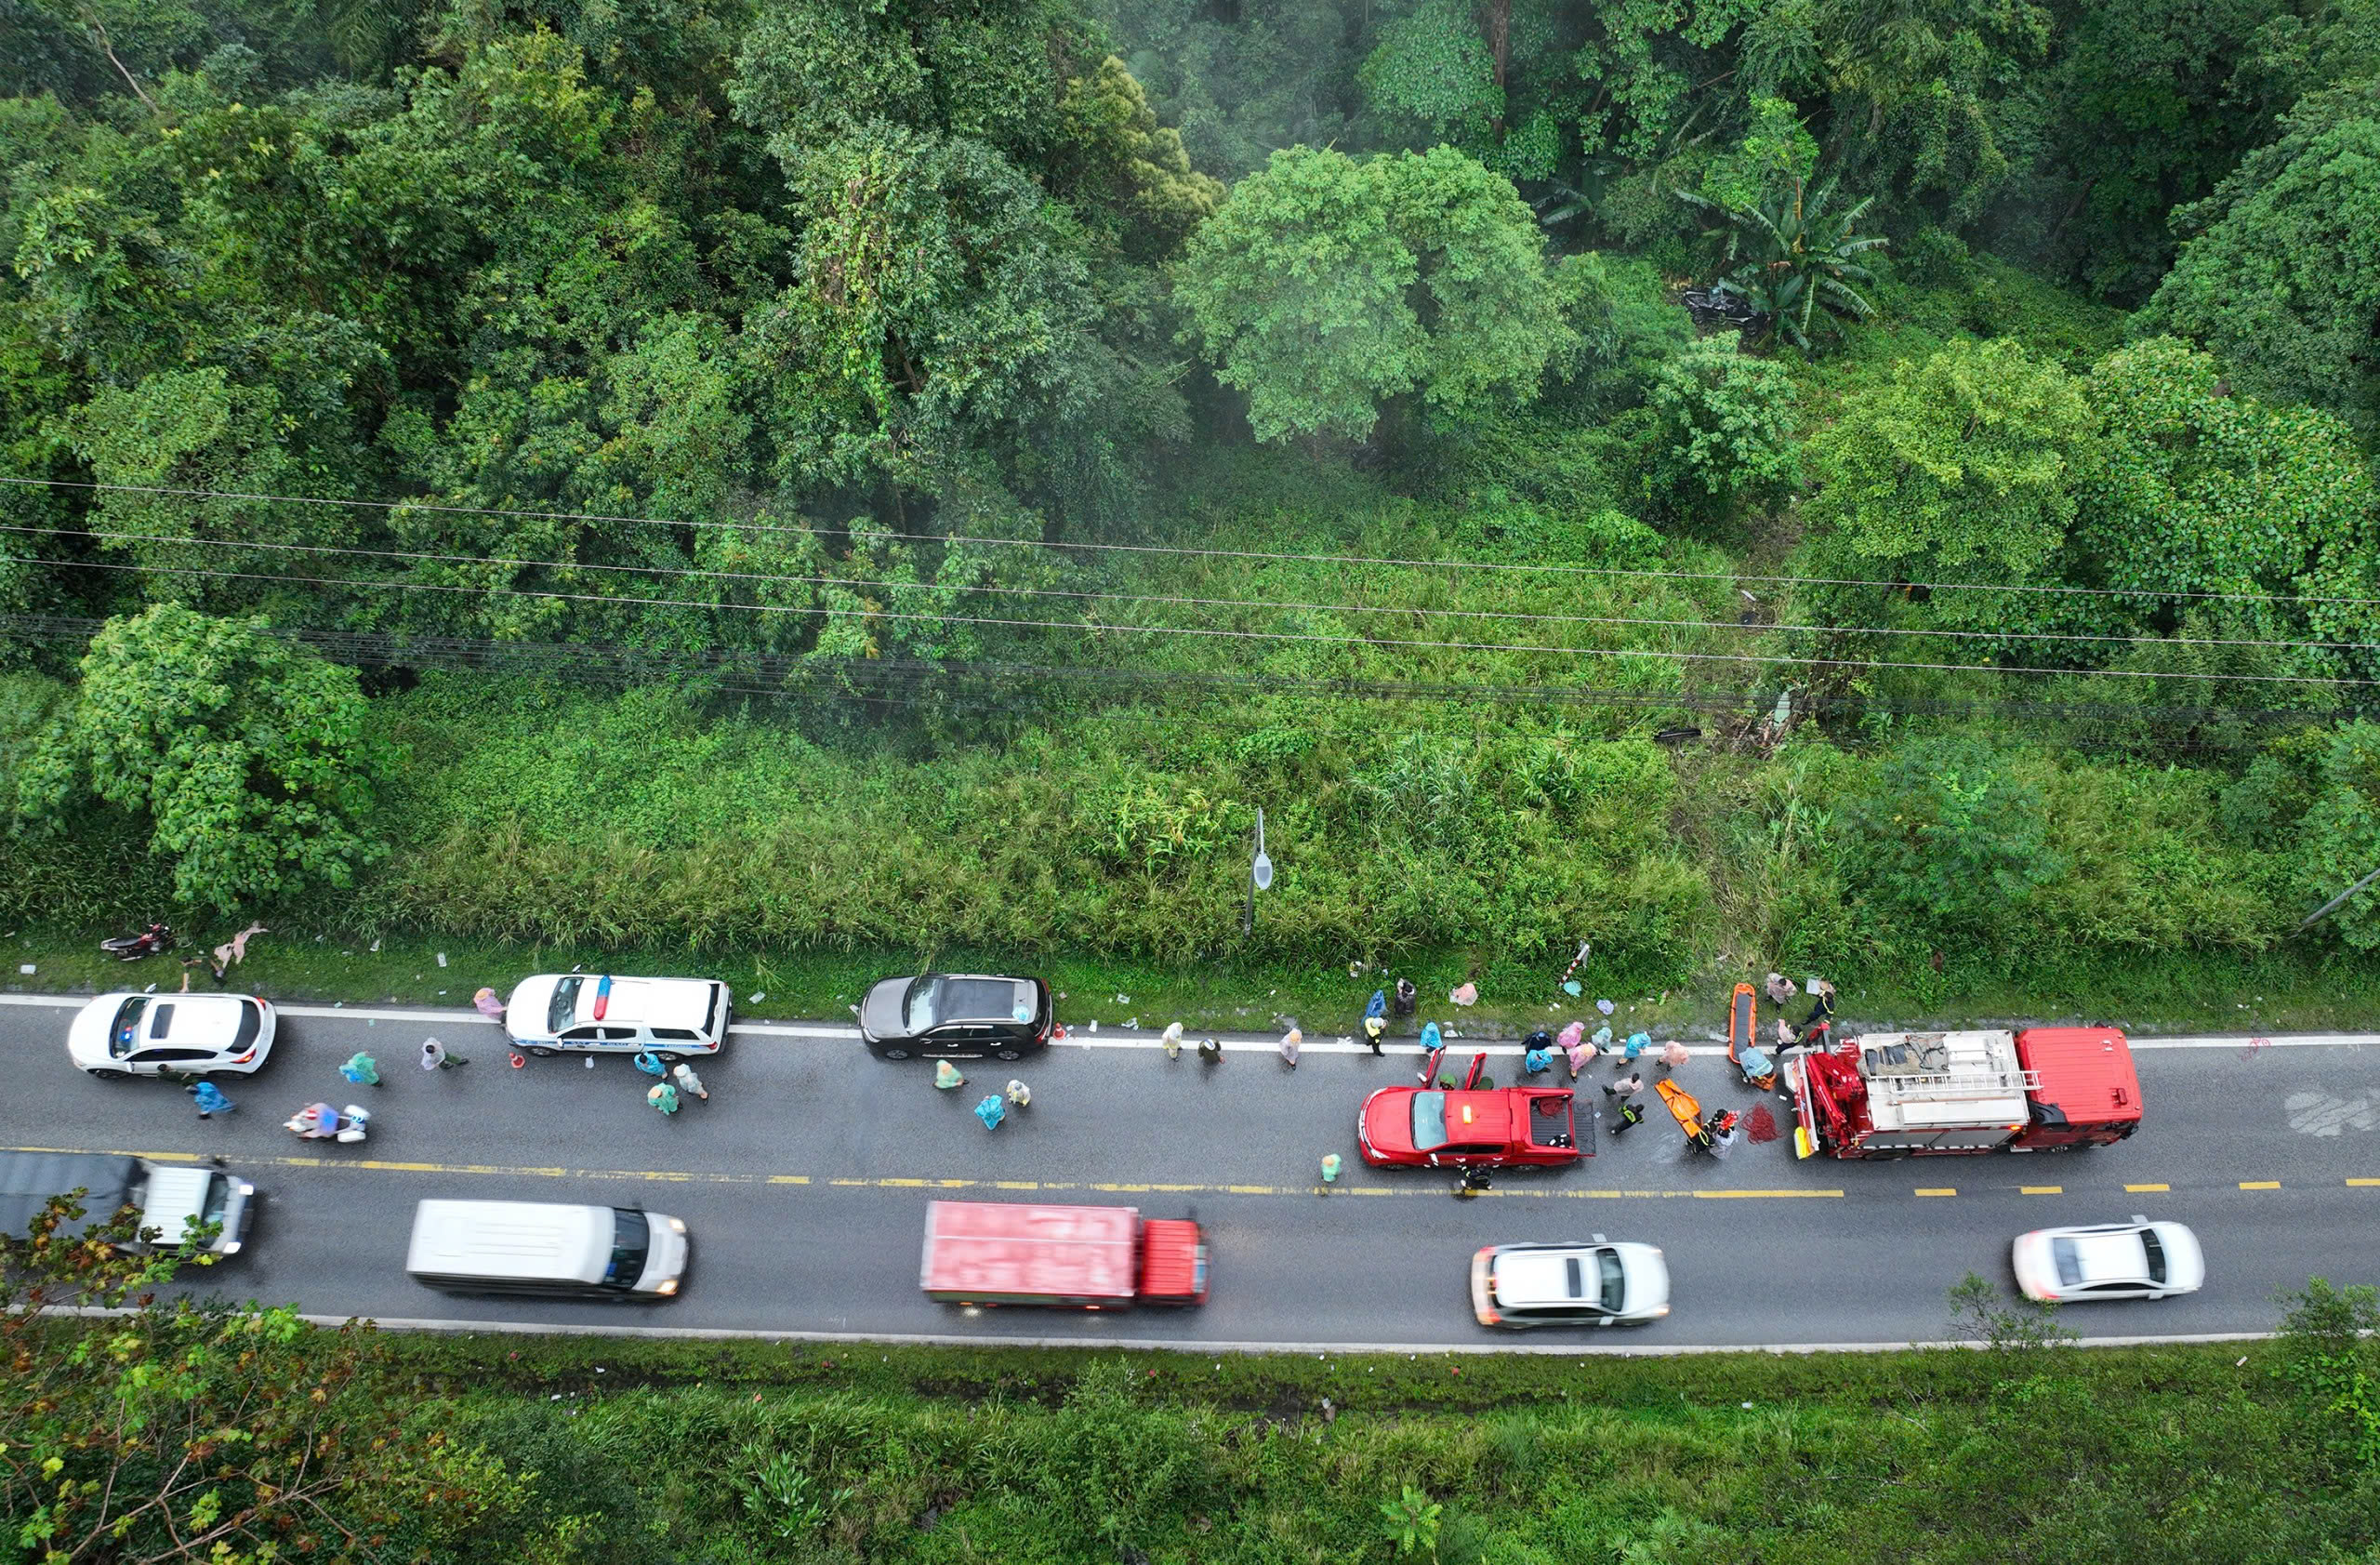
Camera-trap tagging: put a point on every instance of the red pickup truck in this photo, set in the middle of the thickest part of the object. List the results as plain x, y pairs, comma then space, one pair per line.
1502, 1127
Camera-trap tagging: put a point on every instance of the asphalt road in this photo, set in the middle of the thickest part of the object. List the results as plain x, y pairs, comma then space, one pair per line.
804, 1178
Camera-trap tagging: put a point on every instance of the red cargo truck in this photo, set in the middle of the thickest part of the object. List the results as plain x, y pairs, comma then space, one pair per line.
1075, 1257
1899, 1094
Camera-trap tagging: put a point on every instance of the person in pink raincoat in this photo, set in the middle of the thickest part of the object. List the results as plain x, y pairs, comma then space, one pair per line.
1572, 1041
1673, 1054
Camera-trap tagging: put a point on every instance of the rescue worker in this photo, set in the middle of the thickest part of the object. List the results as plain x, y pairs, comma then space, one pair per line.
1474, 1180
1211, 1050
1821, 1011
1631, 1112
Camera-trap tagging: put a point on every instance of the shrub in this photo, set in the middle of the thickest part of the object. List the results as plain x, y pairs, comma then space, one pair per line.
1948, 836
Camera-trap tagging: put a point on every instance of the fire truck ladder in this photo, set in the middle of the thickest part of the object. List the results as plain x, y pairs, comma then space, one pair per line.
1943, 1086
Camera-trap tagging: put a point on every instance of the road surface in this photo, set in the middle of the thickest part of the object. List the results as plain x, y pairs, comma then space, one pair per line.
804, 1180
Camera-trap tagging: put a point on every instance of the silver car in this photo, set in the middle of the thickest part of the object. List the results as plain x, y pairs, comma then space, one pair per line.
2134, 1260
1598, 1283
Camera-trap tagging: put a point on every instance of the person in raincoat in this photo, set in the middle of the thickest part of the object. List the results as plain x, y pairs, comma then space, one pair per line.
362, 1070
688, 1081
1290, 1042
1172, 1040
1376, 1019
211, 1100
991, 1111
1673, 1054
1019, 1096
1575, 1048
1431, 1044
946, 1076
663, 1096
1638, 1043
1537, 1052
488, 1005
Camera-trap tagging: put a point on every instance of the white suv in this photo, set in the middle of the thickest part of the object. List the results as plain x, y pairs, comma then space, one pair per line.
586, 1011
1570, 1284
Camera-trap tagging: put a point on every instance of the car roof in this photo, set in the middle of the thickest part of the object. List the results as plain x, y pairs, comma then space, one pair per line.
680, 1003
193, 1021
1542, 1276
979, 997
2109, 1255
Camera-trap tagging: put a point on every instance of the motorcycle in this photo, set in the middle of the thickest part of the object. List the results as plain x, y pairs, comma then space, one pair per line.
320, 1121
151, 941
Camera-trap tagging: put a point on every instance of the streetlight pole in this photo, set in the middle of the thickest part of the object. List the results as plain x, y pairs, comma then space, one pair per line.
1260, 878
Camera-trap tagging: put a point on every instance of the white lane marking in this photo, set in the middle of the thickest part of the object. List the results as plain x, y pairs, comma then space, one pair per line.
1078, 1038
1191, 1347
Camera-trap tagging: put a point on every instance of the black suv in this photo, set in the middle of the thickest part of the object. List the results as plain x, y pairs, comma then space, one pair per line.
962, 1015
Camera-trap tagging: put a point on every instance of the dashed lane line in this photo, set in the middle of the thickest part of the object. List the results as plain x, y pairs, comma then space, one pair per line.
2147, 1189
2260, 1184
890, 1181
1937, 1191
2364, 1182
2041, 1189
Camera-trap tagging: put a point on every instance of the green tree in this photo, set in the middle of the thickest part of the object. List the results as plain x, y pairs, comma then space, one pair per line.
2330, 1358
1432, 72
1326, 285
1725, 433
2191, 489
1962, 464
182, 1430
1788, 255
2339, 838
254, 761
2277, 275
1950, 838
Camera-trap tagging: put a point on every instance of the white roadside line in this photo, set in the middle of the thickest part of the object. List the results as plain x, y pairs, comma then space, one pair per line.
1189, 1348
1193, 1350
1142, 1038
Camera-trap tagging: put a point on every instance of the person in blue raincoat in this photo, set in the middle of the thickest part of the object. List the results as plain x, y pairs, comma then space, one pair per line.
991, 1111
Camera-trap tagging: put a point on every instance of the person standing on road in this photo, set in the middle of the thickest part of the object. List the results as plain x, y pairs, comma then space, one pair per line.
1290, 1042
1631, 1112
1474, 1182
946, 1076
1019, 1096
1674, 1053
688, 1081
488, 1005
1172, 1040
362, 1070
437, 1056
211, 1100
1373, 1027
1210, 1052
663, 1096
1627, 1086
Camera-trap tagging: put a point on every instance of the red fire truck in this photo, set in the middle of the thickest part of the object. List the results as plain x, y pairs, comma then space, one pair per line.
1899, 1094
1078, 1258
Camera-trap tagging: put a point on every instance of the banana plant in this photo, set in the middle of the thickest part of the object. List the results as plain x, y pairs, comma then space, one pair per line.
1791, 255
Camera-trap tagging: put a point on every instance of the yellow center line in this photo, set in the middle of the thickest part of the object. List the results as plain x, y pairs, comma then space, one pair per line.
2041, 1190
1937, 1191
2144, 1189
2364, 1182
1758, 1195
2260, 1184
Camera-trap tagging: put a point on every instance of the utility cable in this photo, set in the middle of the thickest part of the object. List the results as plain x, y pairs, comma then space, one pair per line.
827, 611
1263, 606
2041, 589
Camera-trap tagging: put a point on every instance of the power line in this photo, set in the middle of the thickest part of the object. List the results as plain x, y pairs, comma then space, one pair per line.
2038, 589
617, 665
1264, 605
1210, 632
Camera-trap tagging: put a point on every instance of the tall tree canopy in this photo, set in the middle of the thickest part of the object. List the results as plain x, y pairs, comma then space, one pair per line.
1328, 284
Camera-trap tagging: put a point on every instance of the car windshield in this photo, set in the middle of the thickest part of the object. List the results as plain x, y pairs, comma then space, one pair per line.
923, 1006
562, 1009
631, 1237
251, 1023
1429, 1121
1614, 1280
219, 1195
2068, 1256
2148, 1241
126, 1035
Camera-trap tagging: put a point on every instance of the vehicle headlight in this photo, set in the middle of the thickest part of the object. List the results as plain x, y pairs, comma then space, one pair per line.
1658, 1313
232, 1248
676, 1224
669, 1287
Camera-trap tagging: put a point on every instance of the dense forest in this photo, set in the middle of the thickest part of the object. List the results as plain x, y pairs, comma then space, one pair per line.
1775, 475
